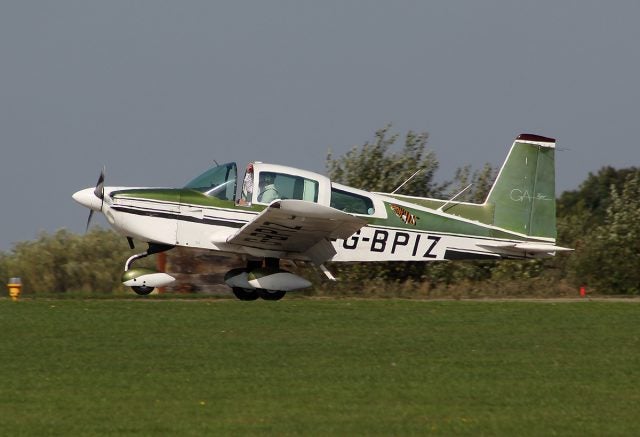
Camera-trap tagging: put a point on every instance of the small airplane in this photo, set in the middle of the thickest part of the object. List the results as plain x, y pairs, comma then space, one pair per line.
284, 213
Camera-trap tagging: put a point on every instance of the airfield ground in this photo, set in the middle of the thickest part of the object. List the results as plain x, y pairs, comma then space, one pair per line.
318, 367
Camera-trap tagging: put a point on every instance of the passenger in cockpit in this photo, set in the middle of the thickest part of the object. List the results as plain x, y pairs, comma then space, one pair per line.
268, 191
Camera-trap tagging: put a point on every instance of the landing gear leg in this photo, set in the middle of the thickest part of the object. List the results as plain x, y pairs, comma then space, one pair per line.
153, 249
244, 293
272, 264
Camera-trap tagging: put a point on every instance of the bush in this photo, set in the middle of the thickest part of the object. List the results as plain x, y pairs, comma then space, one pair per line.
65, 262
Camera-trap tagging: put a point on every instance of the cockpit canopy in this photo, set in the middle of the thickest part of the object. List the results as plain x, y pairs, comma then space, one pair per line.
263, 183
219, 182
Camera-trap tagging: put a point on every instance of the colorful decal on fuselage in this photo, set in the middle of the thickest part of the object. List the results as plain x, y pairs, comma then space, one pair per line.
405, 216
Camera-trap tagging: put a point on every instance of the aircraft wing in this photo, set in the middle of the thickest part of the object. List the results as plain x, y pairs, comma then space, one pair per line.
298, 226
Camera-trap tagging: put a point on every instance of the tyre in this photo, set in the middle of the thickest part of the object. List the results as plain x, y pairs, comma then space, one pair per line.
272, 294
142, 290
245, 293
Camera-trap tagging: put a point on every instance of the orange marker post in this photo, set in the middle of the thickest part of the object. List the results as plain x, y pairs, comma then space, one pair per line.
15, 286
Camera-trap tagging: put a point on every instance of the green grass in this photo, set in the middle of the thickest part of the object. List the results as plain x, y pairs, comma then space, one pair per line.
318, 367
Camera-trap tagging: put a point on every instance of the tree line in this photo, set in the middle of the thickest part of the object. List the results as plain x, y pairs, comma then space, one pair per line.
600, 219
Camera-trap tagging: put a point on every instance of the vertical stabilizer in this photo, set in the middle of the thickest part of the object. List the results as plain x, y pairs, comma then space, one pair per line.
523, 194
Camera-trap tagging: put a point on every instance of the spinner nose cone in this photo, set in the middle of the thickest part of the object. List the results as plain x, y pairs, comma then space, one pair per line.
88, 199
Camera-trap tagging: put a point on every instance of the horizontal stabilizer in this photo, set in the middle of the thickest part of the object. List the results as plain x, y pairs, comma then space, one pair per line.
523, 249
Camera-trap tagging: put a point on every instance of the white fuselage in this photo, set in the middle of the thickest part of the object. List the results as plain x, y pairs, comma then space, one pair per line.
209, 228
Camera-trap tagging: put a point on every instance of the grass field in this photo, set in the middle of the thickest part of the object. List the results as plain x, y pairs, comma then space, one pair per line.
318, 367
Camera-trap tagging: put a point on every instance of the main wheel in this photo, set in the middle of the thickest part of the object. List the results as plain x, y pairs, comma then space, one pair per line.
142, 290
245, 293
272, 294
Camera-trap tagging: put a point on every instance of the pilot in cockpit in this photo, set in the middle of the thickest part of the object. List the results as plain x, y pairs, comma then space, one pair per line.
268, 191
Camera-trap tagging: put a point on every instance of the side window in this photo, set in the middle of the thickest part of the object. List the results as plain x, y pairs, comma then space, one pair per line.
351, 202
274, 186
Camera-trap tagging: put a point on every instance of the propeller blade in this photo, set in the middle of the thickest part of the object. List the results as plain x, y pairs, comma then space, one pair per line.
89, 220
99, 191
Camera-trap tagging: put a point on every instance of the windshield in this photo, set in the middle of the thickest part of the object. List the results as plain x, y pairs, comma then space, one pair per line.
219, 182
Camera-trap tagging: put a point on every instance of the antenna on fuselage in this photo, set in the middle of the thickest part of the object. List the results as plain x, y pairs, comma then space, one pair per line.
405, 182
454, 197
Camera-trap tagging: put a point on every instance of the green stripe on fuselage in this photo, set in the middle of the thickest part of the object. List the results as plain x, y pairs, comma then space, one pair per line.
160, 194
182, 195
427, 221
482, 213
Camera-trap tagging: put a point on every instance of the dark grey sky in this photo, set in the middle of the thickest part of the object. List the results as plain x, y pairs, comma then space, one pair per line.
157, 90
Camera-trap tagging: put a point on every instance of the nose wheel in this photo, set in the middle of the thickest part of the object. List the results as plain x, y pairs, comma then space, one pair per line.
142, 290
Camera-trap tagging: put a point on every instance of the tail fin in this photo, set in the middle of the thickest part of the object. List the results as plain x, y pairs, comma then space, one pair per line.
523, 194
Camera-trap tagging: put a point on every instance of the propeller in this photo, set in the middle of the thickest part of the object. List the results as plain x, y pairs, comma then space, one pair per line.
99, 193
